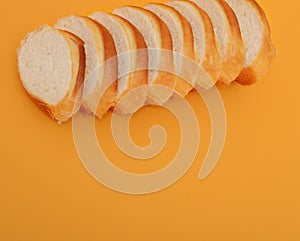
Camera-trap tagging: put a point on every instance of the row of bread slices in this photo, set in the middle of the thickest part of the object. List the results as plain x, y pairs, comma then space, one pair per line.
124, 57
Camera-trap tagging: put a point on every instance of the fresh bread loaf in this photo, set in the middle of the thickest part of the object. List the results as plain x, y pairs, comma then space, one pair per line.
132, 61
51, 66
228, 32
137, 56
255, 29
100, 75
158, 38
205, 43
183, 44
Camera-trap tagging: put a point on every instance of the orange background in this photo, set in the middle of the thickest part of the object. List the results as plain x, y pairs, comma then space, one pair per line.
252, 195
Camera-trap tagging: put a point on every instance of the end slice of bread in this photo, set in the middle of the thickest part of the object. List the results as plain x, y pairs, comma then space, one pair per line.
228, 32
100, 85
160, 56
183, 44
51, 66
256, 34
132, 61
205, 41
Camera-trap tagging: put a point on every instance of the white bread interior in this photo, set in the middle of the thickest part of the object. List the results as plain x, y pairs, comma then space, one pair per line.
256, 34
51, 65
134, 47
251, 28
128, 42
228, 32
97, 50
157, 38
183, 44
205, 42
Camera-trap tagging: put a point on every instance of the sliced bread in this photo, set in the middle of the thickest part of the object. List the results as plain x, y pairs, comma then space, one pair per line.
256, 34
132, 61
183, 44
228, 32
160, 56
100, 81
205, 41
51, 66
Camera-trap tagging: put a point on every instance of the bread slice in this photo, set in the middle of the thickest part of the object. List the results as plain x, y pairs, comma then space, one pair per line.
159, 43
228, 32
256, 34
100, 81
183, 44
128, 42
51, 66
205, 42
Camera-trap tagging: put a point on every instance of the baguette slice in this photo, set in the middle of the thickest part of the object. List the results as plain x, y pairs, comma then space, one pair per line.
51, 66
256, 34
132, 61
205, 42
183, 44
100, 80
228, 32
160, 56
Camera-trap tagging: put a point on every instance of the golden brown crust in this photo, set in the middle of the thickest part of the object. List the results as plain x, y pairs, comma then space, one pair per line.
231, 68
164, 78
261, 64
212, 62
106, 44
71, 102
189, 52
183, 87
45, 108
137, 78
157, 95
140, 77
234, 59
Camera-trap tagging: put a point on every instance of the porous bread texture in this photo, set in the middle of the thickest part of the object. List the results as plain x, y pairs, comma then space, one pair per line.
98, 94
41, 53
218, 18
205, 43
128, 42
173, 23
251, 27
183, 44
122, 44
149, 31
227, 38
256, 34
78, 26
228, 33
160, 56
189, 13
51, 66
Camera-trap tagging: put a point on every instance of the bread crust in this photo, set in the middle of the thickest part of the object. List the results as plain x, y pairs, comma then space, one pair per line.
234, 59
109, 81
189, 52
136, 79
253, 73
166, 78
70, 104
212, 62
183, 87
221, 70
